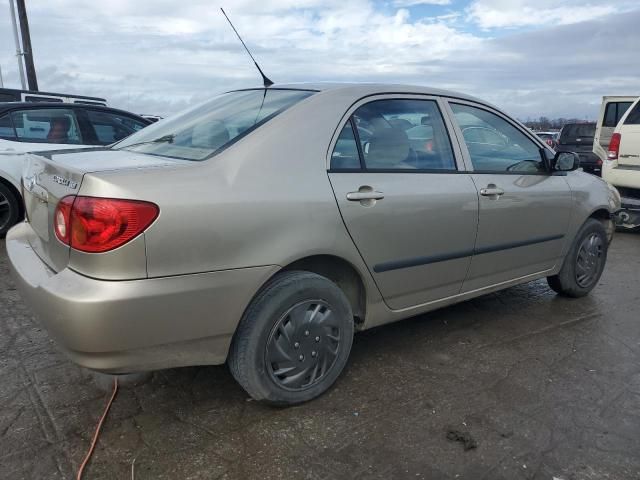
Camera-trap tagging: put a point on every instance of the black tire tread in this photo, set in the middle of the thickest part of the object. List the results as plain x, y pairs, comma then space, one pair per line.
15, 209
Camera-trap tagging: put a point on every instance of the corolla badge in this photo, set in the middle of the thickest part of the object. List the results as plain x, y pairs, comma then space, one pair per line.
65, 181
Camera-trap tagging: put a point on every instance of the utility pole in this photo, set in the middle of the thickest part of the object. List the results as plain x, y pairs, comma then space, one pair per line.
16, 38
1, 80
26, 46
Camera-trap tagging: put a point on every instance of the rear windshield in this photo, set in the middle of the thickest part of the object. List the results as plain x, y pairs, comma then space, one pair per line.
200, 132
578, 130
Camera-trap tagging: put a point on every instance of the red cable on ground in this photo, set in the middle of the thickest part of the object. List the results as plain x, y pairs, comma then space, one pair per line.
98, 428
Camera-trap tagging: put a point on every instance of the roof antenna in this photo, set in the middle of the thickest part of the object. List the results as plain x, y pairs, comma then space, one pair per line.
265, 79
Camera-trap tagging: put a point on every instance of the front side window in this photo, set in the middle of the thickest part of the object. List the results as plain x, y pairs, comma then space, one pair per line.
403, 134
494, 144
614, 112
202, 131
6, 128
110, 127
634, 116
47, 125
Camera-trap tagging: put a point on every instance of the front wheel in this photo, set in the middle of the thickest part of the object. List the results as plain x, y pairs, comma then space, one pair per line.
293, 340
584, 262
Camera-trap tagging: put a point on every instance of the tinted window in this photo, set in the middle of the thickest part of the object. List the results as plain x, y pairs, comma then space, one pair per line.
494, 144
31, 98
201, 131
54, 125
345, 153
6, 128
577, 130
110, 128
614, 112
634, 116
404, 134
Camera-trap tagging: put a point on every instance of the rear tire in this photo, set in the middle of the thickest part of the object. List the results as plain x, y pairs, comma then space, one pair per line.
293, 340
584, 262
9, 209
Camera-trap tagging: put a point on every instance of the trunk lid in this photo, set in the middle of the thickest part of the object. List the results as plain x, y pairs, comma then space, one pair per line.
50, 176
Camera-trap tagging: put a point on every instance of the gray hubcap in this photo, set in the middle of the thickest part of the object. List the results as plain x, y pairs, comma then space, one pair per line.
303, 345
5, 211
589, 260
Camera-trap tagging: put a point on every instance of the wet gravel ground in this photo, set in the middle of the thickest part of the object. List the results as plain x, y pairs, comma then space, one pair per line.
520, 384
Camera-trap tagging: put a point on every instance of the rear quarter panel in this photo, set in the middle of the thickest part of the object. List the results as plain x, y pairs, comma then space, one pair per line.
265, 200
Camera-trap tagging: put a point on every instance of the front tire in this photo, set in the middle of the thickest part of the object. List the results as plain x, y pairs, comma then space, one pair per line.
293, 340
9, 209
584, 262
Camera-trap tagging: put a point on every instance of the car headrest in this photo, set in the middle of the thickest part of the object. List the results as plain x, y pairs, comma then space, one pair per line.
388, 148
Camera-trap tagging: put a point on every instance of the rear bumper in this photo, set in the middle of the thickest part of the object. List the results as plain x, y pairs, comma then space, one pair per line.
127, 326
621, 176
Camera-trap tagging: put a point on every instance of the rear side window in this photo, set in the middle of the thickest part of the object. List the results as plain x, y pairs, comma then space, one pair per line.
494, 144
614, 112
50, 125
345, 153
399, 134
634, 116
205, 130
110, 127
6, 128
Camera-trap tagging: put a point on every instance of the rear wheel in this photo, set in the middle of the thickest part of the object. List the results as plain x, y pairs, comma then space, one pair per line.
9, 209
294, 339
584, 263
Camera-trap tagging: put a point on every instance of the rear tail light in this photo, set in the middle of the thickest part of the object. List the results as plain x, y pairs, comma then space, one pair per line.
614, 147
96, 225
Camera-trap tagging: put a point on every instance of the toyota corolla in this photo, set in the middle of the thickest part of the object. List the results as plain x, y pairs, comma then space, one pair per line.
265, 227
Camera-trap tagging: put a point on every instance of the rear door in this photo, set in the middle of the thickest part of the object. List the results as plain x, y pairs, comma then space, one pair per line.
409, 209
612, 110
629, 129
524, 210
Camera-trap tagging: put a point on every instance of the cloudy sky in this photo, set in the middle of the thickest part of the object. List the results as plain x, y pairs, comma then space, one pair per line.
531, 57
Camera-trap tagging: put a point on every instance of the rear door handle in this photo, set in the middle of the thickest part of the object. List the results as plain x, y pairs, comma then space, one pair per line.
359, 196
491, 191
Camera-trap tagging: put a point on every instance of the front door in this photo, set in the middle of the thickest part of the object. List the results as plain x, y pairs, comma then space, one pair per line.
410, 212
524, 209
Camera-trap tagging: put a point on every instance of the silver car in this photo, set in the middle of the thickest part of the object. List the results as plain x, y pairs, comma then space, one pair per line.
265, 227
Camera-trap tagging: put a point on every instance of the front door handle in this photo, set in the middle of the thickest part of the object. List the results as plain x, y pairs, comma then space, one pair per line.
364, 195
491, 191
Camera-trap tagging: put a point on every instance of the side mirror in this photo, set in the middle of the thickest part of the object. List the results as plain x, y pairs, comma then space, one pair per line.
565, 162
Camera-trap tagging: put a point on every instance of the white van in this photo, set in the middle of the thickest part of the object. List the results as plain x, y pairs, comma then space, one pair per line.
622, 165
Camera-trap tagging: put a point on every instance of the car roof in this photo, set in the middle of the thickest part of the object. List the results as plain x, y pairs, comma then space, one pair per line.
365, 89
5, 106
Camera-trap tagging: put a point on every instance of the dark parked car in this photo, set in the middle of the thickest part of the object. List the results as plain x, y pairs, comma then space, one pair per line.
578, 138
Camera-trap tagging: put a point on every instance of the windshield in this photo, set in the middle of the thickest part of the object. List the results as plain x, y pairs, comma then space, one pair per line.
207, 129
